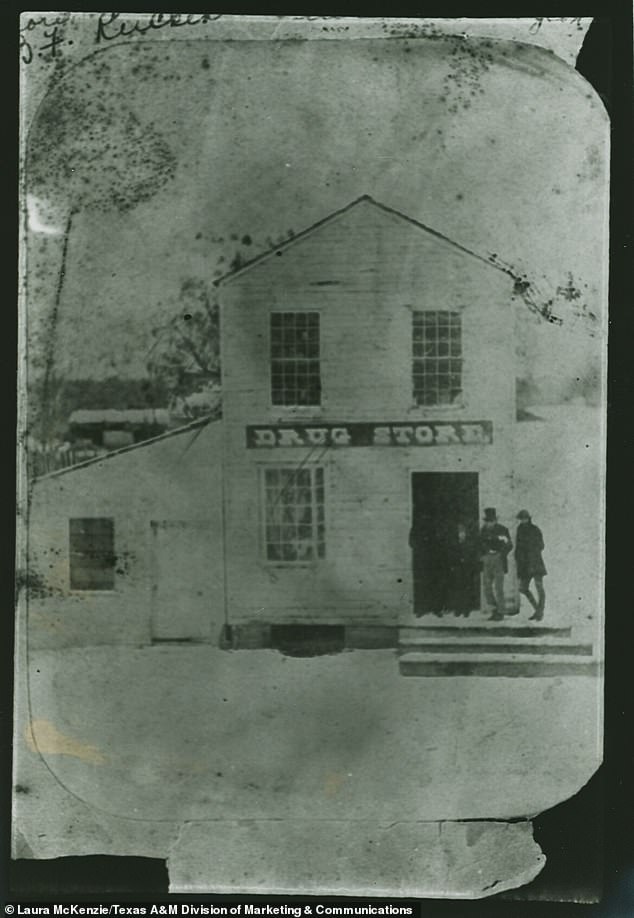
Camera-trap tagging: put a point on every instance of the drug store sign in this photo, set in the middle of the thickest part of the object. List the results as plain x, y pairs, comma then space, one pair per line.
431, 433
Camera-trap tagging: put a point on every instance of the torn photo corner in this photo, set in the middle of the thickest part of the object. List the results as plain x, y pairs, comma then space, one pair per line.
312, 414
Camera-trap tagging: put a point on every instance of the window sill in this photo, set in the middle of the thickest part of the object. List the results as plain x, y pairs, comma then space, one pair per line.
300, 412
291, 565
87, 591
436, 409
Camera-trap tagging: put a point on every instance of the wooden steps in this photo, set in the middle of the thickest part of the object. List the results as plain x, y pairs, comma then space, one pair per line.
496, 649
460, 631
509, 665
499, 645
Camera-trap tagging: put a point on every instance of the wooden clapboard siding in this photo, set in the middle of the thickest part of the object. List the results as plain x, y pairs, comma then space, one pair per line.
364, 271
175, 480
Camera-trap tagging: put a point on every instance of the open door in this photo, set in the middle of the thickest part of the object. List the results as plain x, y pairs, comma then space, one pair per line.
445, 514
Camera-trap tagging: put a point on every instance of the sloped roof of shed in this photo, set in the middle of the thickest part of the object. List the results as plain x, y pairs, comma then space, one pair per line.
195, 426
336, 215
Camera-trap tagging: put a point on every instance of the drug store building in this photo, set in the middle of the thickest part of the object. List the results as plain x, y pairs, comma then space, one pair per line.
368, 388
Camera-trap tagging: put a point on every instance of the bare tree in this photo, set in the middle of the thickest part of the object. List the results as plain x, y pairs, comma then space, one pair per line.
87, 150
185, 354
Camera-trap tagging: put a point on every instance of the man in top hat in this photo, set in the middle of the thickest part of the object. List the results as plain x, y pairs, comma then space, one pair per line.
495, 545
530, 565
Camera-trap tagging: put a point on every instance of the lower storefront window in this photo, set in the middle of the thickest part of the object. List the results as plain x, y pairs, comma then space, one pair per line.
293, 512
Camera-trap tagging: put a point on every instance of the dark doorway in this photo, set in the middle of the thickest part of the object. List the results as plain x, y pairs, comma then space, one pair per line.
444, 560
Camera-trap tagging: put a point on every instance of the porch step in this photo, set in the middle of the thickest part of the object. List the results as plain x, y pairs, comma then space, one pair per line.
493, 664
462, 630
541, 646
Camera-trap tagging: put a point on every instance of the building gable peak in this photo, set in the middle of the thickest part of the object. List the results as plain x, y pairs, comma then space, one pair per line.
336, 215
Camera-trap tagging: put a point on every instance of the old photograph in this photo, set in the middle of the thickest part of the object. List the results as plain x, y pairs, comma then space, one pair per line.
313, 324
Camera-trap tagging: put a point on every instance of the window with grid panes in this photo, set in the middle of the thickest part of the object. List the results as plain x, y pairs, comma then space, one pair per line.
293, 504
437, 357
295, 369
92, 557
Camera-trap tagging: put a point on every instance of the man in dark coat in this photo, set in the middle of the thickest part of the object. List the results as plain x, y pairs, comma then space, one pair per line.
530, 565
495, 545
463, 569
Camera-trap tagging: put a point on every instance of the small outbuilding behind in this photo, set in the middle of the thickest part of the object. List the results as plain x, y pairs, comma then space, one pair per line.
128, 548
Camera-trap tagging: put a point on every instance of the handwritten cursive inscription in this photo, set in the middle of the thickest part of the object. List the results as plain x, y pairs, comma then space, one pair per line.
43, 36
540, 20
46, 22
110, 25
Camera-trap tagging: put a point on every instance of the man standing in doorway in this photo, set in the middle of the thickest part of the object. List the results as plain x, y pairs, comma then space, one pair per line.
464, 571
495, 545
529, 562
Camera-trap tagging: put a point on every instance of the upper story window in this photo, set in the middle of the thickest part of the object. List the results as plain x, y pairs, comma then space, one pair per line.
92, 557
437, 357
295, 368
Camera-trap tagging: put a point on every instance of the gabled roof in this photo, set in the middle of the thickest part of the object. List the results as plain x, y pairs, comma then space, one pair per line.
366, 198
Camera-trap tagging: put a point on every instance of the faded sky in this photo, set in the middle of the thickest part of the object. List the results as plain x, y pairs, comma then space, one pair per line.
499, 146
